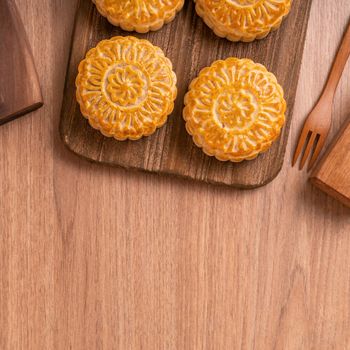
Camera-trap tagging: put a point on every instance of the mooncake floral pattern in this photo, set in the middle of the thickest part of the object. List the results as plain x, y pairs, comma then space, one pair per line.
234, 109
139, 15
243, 20
126, 87
244, 3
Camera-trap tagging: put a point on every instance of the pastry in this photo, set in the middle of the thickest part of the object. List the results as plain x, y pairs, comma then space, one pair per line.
243, 20
126, 87
139, 15
234, 109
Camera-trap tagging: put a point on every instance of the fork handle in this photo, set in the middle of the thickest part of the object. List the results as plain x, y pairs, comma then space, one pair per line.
338, 65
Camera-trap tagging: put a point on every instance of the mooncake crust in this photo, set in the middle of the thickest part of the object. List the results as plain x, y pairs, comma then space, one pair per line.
234, 109
126, 87
141, 16
243, 20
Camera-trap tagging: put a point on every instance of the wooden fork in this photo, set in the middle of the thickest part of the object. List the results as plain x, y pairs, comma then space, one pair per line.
318, 123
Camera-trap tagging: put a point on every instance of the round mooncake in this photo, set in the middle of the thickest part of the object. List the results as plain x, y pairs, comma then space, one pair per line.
126, 87
243, 20
234, 109
139, 15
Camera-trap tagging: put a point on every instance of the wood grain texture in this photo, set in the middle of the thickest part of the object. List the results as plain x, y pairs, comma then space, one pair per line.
332, 174
191, 46
94, 257
19, 85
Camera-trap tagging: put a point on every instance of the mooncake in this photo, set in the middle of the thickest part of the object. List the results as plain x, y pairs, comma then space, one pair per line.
139, 15
243, 20
234, 109
126, 87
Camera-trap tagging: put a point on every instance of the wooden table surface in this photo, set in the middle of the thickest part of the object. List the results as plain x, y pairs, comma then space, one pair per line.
93, 257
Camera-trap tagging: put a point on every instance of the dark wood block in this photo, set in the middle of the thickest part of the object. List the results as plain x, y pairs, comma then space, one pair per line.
19, 84
332, 174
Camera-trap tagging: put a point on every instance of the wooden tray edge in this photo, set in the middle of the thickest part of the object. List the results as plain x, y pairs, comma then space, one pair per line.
165, 173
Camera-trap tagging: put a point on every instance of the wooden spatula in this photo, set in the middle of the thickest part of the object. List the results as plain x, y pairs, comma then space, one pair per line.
332, 174
19, 84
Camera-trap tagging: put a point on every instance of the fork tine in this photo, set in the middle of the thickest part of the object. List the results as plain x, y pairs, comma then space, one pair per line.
319, 145
301, 142
307, 150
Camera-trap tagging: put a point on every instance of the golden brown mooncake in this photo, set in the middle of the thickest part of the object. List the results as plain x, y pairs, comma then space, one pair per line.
234, 109
139, 15
126, 87
243, 20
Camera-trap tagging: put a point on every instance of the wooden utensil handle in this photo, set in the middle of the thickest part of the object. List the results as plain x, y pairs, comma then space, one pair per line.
339, 64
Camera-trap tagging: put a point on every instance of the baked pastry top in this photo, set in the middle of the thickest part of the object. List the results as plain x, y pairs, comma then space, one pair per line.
139, 15
234, 109
126, 87
243, 20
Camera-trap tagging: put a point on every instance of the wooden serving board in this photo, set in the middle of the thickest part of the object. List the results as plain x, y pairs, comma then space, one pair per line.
190, 45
